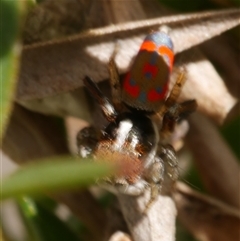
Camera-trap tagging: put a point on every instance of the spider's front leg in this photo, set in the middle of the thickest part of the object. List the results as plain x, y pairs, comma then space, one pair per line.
115, 84
170, 173
173, 112
163, 172
87, 140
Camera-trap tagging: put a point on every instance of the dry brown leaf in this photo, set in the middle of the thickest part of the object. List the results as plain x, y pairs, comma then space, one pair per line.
59, 66
205, 217
73, 103
120, 236
205, 85
31, 135
156, 224
228, 63
51, 19
87, 209
217, 166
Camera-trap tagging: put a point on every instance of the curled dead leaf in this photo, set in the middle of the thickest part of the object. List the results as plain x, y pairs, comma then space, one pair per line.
205, 85
120, 236
216, 164
156, 224
205, 217
55, 67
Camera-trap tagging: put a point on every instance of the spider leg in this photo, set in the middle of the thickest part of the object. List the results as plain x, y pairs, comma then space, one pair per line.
87, 140
155, 179
170, 162
107, 108
115, 81
174, 94
162, 174
176, 113
171, 111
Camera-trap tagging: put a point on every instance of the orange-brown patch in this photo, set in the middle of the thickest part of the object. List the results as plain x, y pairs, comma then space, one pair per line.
130, 165
148, 45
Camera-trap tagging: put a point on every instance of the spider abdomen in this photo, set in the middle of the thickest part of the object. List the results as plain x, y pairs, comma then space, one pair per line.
145, 86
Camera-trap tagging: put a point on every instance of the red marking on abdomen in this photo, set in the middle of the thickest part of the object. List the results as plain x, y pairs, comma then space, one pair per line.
133, 90
164, 50
153, 95
148, 45
148, 68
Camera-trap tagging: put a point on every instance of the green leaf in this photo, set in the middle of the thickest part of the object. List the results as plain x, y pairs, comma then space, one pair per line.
12, 18
231, 133
42, 224
182, 234
53, 175
9, 57
193, 179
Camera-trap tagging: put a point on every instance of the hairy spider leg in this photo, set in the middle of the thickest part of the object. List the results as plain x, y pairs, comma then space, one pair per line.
174, 93
163, 173
115, 81
171, 111
87, 140
107, 108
